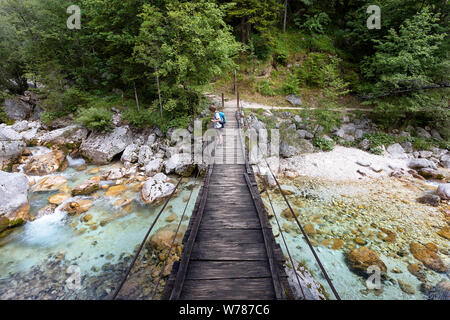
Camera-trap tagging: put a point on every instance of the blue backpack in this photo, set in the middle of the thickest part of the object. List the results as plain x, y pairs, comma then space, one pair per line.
223, 118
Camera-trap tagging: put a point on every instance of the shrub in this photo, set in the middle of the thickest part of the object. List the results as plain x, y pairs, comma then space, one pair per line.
378, 139
323, 144
422, 144
291, 85
265, 88
376, 150
95, 118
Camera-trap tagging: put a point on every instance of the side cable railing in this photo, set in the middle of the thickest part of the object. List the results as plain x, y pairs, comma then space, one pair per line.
160, 276
130, 267
316, 257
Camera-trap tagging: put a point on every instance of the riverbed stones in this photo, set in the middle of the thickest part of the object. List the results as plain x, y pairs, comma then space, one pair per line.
45, 164
360, 259
406, 287
87, 187
443, 191
441, 291
430, 259
59, 198
114, 191
445, 232
101, 148
47, 210
77, 207
164, 236
50, 183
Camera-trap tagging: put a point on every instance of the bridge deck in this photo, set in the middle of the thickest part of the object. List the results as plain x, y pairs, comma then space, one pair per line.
229, 249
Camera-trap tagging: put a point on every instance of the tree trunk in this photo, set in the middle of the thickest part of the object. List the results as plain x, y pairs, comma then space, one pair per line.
285, 15
159, 94
136, 96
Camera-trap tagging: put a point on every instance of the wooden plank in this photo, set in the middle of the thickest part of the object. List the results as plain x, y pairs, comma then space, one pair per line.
212, 224
229, 289
203, 270
229, 251
230, 235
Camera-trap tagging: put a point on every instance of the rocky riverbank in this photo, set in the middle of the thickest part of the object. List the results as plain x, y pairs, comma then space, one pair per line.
74, 202
360, 210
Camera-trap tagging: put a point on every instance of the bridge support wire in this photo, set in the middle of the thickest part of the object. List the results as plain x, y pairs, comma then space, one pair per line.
285, 244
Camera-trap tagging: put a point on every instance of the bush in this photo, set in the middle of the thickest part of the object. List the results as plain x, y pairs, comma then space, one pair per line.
95, 118
422, 144
323, 144
379, 139
259, 47
265, 88
291, 85
376, 150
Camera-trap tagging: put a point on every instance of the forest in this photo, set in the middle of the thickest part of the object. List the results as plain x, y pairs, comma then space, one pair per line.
156, 58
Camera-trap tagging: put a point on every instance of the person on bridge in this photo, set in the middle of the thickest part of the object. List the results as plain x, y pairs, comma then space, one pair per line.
218, 123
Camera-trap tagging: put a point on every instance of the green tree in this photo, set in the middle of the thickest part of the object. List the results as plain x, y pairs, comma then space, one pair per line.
184, 44
408, 58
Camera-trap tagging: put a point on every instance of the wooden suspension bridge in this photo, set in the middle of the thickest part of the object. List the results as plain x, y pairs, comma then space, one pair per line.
229, 251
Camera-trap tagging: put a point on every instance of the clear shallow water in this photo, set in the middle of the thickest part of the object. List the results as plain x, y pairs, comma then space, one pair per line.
333, 222
111, 233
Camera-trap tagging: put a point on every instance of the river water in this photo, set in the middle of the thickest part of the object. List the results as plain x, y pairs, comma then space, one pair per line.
335, 215
59, 243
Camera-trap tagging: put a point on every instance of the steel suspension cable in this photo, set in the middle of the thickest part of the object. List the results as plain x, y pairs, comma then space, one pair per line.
285, 244
124, 279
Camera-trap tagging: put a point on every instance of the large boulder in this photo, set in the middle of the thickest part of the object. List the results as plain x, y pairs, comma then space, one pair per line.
153, 167
130, 154
180, 163
87, 187
360, 259
422, 133
163, 237
11, 145
45, 164
445, 161
396, 151
156, 189
295, 100
145, 155
421, 163
14, 196
287, 150
443, 191
74, 134
17, 109
430, 259
100, 148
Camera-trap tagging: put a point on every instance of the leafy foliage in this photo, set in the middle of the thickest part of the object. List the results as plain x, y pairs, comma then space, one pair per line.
95, 118
323, 144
